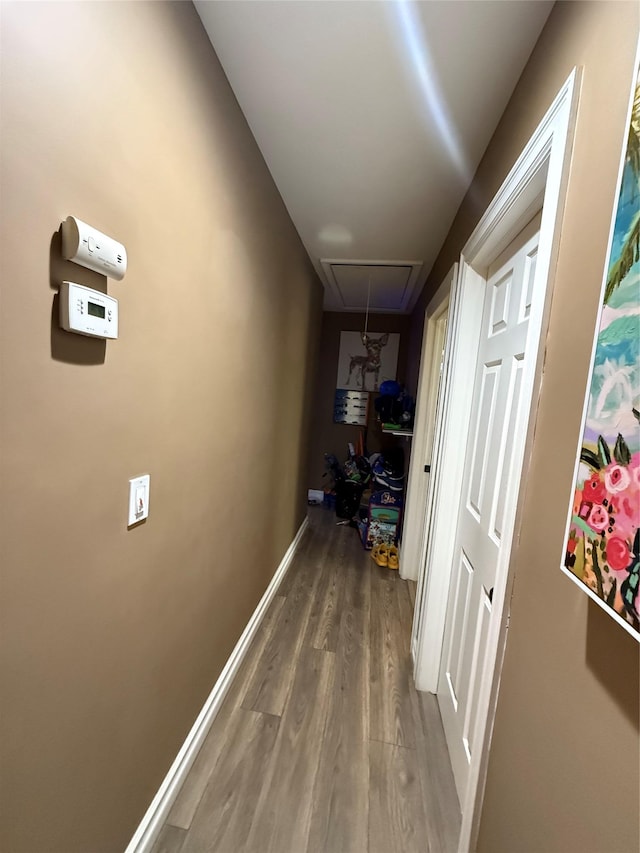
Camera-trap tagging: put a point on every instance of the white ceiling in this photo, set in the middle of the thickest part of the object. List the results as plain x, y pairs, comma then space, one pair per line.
372, 116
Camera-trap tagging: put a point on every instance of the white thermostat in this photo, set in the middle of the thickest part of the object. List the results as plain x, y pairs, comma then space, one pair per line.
85, 245
88, 312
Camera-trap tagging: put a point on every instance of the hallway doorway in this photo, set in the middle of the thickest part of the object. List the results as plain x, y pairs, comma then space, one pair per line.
494, 424
428, 402
461, 635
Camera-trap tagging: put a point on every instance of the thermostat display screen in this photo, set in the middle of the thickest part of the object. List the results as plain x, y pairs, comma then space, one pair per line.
95, 310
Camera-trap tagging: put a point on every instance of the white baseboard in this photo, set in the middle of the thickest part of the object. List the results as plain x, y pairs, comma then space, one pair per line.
157, 813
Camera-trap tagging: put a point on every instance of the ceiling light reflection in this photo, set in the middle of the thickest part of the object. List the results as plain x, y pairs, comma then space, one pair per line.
417, 47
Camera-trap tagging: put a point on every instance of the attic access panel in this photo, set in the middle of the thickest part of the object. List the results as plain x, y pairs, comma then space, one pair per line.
393, 285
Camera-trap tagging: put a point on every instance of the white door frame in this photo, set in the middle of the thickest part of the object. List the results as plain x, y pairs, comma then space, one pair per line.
414, 532
538, 180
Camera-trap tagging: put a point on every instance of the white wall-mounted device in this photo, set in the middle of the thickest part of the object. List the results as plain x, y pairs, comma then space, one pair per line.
139, 498
88, 312
90, 248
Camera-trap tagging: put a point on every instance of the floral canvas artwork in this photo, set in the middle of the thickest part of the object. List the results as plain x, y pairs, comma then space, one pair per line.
603, 539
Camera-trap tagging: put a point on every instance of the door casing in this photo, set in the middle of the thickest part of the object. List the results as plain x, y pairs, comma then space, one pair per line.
537, 181
412, 546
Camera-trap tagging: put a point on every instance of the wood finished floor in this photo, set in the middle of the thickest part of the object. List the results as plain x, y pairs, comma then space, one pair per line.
323, 745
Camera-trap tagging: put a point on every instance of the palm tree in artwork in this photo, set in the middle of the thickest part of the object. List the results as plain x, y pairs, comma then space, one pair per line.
630, 251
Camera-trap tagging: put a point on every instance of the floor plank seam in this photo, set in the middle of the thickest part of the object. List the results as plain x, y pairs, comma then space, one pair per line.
264, 713
323, 745
392, 743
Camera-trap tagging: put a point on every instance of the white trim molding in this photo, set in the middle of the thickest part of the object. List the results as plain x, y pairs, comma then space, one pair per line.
465, 317
412, 547
155, 816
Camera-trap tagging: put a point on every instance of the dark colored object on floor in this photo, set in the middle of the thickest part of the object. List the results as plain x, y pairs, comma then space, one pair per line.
348, 494
349, 482
330, 500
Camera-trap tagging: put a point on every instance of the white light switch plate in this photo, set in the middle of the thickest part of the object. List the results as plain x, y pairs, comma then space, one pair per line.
138, 499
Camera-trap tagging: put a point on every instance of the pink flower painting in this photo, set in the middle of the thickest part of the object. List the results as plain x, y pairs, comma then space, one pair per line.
602, 545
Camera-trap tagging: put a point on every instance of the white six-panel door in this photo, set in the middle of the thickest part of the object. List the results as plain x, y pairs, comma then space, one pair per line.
488, 456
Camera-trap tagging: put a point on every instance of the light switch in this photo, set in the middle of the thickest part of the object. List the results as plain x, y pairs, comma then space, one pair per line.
138, 499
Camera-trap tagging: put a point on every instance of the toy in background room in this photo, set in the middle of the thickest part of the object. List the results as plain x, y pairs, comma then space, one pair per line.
381, 526
394, 407
367, 494
347, 482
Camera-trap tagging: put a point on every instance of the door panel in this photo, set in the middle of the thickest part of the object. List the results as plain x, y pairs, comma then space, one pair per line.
481, 518
460, 610
527, 290
481, 630
484, 428
496, 525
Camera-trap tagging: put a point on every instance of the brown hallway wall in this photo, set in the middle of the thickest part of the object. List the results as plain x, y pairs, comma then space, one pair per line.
119, 113
326, 436
563, 774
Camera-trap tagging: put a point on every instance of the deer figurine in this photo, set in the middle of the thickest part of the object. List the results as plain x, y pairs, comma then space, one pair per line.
369, 363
